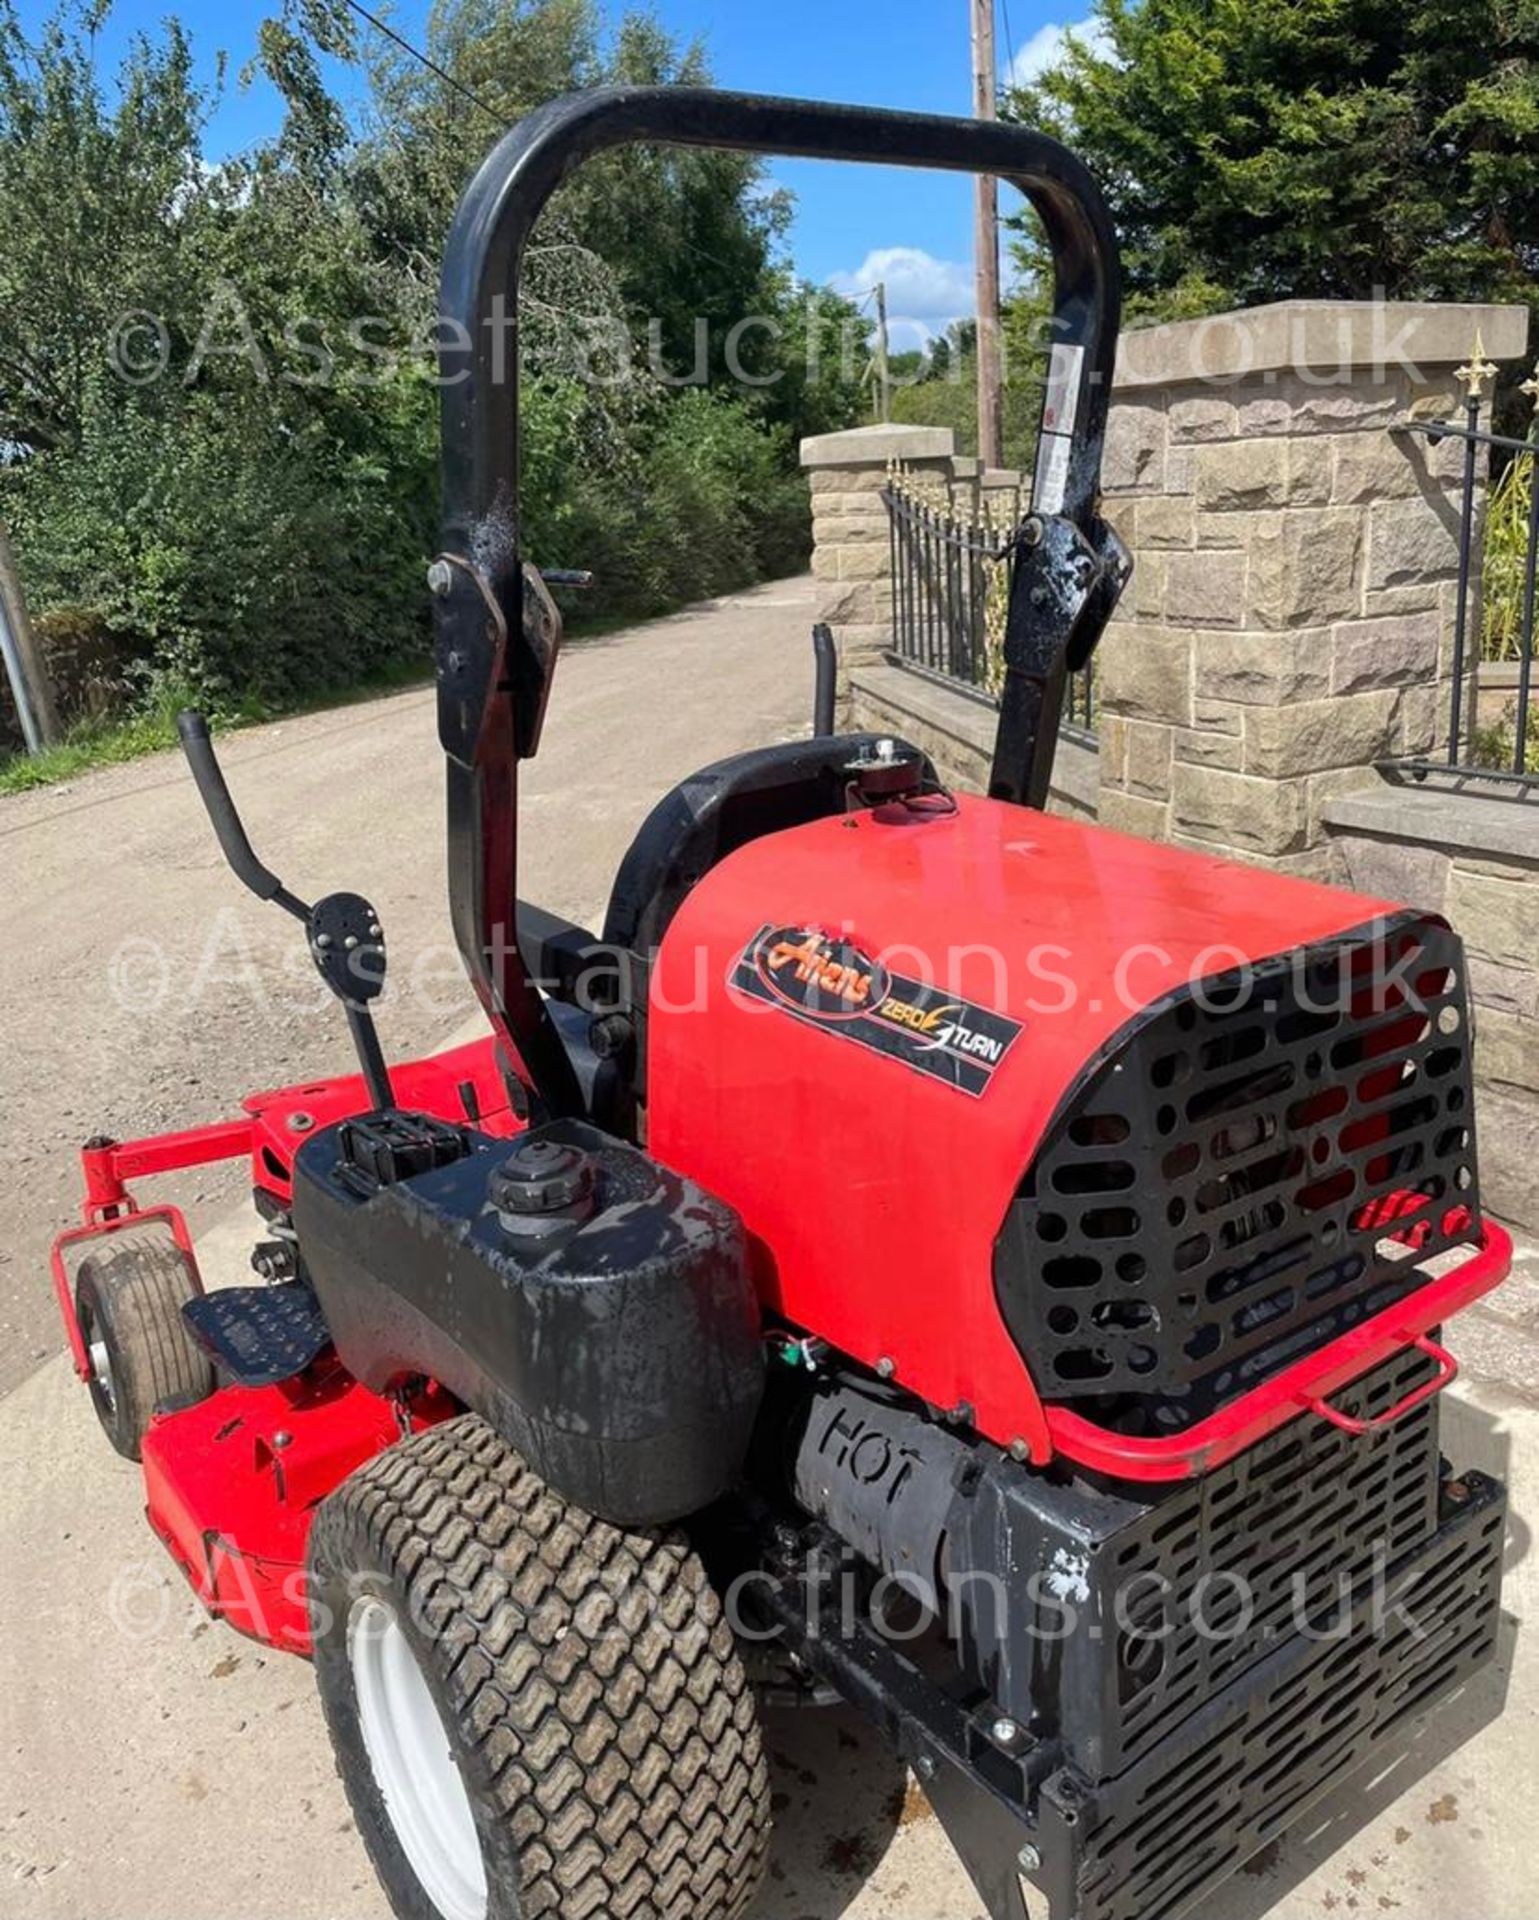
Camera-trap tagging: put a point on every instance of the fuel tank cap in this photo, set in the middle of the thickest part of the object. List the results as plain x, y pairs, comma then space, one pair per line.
885, 770
542, 1177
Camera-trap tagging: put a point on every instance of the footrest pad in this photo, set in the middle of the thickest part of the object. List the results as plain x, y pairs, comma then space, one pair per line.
259, 1335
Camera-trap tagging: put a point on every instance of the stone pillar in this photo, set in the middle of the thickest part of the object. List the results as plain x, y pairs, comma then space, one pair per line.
1475, 860
1291, 614
852, 553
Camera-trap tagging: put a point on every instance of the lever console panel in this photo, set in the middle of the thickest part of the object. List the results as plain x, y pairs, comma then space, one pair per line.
591, 1305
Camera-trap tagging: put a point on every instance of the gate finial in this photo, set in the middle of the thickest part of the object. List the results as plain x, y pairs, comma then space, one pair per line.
1478, 372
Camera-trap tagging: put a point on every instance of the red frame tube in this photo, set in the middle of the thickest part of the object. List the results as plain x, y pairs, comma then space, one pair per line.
110, 1164
63, 1284
1448, 1372
108, 1206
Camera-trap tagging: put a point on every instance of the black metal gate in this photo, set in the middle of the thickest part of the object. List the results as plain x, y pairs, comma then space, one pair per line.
951, 566
1491, 733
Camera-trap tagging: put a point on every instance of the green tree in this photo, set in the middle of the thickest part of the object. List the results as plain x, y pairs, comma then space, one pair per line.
680, 247
813, 357
944, 391
1261, 149
672, 234
239, 501
99, 199
234, 519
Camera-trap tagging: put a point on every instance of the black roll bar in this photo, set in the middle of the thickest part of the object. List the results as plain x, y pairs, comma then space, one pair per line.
493, 641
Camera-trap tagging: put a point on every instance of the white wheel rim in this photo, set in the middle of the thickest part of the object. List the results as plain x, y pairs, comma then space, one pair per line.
414, 1767
101, 1370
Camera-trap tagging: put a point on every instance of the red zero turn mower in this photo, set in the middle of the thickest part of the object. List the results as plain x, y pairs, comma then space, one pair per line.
915, 1212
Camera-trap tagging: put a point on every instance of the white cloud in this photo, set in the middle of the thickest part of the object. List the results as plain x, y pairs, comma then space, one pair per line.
1045, 49
924, 295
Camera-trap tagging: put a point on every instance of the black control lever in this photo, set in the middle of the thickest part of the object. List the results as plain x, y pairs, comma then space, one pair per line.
206, 771
342, 929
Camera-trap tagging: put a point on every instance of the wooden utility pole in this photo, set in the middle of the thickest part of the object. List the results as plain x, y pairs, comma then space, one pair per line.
883, 371
23, 662
986, 246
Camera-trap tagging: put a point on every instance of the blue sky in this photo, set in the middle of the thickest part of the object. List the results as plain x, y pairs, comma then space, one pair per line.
853, 224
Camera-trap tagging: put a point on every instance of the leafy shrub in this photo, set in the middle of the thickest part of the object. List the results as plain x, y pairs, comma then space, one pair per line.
252, 561
701, 501
720, 511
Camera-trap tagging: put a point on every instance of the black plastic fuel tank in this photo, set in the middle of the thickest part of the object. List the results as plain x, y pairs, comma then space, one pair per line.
592, 1305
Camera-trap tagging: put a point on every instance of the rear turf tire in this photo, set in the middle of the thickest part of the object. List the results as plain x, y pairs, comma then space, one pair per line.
128, 1304
603, 1735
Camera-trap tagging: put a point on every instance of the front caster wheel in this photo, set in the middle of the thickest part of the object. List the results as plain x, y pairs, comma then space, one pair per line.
536, 1716
128, 1304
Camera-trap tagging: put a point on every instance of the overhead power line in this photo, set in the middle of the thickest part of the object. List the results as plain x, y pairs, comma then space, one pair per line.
459, 87
1004, 7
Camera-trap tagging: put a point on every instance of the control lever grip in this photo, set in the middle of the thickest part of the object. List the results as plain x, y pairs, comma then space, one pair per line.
198, 746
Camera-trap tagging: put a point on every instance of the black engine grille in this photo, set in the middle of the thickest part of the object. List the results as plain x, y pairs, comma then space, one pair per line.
1261, 1162
1205, 1799
1188, 1592
1302, 1520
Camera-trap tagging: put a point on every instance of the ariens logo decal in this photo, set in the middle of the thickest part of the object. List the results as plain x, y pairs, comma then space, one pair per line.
819, 974
828, 981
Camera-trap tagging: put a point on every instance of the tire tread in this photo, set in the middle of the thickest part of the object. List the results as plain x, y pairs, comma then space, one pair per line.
141, 1287
628, 1765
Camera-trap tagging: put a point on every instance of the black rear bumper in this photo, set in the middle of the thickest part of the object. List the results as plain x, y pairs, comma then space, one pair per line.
1147, 1844
1150, 1836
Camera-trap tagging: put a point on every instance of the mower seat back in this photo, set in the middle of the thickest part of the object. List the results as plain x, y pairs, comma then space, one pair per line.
715, 812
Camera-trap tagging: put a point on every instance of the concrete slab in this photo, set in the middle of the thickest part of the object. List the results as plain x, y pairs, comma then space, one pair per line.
156, 1764
1451, 822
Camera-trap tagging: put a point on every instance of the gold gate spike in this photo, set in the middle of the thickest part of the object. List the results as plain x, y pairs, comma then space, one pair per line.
1478, 372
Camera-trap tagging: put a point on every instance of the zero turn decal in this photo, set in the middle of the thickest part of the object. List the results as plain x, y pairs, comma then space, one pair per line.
828, 982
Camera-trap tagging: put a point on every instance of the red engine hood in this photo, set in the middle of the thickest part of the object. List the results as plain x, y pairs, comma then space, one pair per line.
873, 1156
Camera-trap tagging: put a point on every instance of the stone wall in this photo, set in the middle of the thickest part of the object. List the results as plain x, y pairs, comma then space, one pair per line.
1476, 862
1291, 615
851, 541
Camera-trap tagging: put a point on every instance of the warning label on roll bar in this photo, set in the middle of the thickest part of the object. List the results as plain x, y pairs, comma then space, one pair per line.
1060, 410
